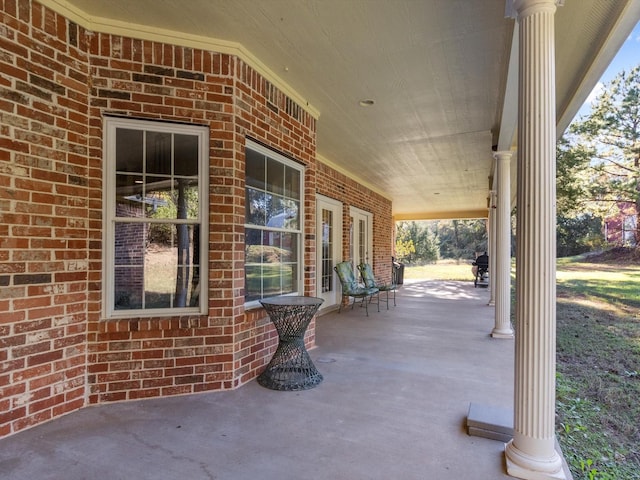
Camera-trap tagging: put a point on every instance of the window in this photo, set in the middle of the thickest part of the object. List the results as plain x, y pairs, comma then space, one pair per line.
156, 204
273, 224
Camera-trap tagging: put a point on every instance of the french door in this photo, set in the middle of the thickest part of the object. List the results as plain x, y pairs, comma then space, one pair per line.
328, 249
361, 235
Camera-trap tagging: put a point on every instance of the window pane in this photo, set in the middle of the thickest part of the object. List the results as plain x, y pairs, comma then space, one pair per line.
289, 278
128, 286
292, 183
130, 240
158, 153
184, 285
255, 207
282, 213
157, 197
288, 247
160, 268
129, 196
253, 282
255, 170
191, 201
186, 155
129, 150
275, 176
171, 272
253, 245
271, 280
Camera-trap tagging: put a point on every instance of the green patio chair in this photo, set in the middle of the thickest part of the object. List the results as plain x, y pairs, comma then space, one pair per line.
351, 288
370, 281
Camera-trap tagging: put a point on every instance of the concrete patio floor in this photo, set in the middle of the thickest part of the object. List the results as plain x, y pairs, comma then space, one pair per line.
396, 392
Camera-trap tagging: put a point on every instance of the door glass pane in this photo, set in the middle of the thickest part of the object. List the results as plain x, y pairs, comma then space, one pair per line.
362, 241
327, 251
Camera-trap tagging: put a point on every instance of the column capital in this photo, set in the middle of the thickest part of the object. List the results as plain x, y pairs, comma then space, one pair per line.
523, 8
501, 154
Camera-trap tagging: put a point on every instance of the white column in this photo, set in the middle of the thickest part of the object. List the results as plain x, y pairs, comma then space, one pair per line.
531, 454
502, 276
492, 247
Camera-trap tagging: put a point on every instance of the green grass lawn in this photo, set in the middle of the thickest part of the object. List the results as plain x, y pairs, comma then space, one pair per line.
598, 361
441, 270
598, 355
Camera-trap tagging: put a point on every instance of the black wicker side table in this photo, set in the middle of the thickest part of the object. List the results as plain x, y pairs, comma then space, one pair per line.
291, 367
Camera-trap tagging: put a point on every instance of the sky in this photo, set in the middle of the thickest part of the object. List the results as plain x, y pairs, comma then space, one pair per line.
627, 57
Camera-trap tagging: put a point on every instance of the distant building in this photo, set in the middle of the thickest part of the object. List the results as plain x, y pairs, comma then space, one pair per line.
621, 226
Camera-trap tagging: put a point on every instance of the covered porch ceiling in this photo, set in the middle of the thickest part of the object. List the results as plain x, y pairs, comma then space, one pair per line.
441, 75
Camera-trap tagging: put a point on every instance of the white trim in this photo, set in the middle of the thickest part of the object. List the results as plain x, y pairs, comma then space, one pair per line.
108, 196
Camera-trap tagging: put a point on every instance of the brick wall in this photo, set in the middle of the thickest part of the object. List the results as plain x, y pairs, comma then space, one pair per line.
132, 358
45, 222
57, 353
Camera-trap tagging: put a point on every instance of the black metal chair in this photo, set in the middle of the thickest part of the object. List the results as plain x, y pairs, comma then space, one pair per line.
481, 268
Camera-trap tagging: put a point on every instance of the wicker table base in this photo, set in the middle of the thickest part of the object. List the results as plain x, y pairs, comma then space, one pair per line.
291, 367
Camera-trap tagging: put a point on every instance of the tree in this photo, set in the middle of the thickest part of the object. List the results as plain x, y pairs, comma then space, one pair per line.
416, 241
578, 234
461, 238
573, 194
405, 247
579, 220
609, 140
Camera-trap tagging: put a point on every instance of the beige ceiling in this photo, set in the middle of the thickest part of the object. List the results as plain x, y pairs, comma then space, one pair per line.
437, 70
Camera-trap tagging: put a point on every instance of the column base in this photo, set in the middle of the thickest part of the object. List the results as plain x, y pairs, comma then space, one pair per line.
526, 467
492, 303
502, 333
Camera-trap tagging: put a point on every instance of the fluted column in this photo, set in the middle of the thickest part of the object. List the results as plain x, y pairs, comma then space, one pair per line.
492, 247
531, 454
502, 277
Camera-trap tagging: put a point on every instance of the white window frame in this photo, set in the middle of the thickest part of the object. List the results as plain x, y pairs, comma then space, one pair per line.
109, 214
256, 147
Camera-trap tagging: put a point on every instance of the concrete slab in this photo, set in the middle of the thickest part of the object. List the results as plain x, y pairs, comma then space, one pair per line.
488, 421
393, 405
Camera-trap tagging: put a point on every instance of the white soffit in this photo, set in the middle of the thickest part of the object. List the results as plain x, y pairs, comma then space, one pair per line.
437, 71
